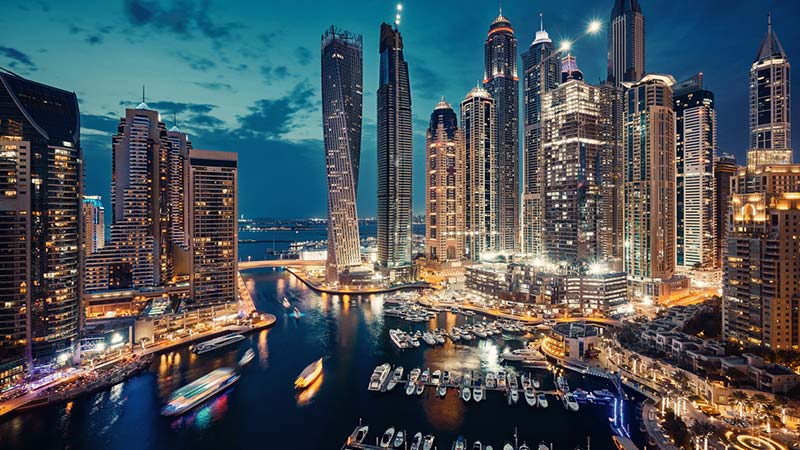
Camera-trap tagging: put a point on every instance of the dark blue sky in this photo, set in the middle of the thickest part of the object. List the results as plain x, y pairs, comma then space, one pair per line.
244, 76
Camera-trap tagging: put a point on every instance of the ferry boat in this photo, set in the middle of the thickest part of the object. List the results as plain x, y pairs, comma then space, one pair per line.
216, 343
309, 375
200, 390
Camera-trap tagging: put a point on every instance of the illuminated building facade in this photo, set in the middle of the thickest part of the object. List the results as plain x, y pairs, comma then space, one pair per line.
725, 168
610, 238
480, 181
501, 81
342, 93
94, 234
626, 53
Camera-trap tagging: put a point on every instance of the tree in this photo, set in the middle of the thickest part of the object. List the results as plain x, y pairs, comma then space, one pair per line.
702, 429
740, 398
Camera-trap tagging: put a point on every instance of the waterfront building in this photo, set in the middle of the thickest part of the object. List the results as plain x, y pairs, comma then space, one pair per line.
178, 146
626, 37
542, 73
395, 153
40, 249
695, 186
572, 144
342, 93
649, 155
94, 233
478, 127
212, 227
501, 81
770, 105
444, 187
725, 168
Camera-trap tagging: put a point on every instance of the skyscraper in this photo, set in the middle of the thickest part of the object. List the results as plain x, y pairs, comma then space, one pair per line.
178, 145
770, 108
573, 133
724, 169
542, 73
342, 94
444, 187
94, 234
500, 79
695, 186
611, 239
478, 129
40, 252
626, 52
395, 152
649, 143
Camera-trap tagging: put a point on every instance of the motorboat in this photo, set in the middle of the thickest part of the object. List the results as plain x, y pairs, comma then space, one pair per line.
521, 354
386, 439
427, 442
296, 313
428, 338
436, 378
501, 379
478, 390
200, 390
454, 335
286, 303
508, 446
524, 446
513, 388
379, 376
543, 446
460, 444
477, 446
530, 396
397, 375
441, 390
399, 438
399, 338
466, 388
412, 381
216, 343
358, 436
562, 384
416, 442
420, 387
439, 335
535, 382
446, 377
541, 400
309, 375
491, 380
425, 376
570, 403
247, 357
525, 380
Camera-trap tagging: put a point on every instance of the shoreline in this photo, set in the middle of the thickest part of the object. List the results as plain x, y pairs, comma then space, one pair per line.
369, 291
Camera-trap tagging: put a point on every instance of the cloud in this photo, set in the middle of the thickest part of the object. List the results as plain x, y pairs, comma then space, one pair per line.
276, 73
103, 123
303, 55
425, 81
268, 39
272, 118
18, 59
180, 108
214, 86
182, 17
200, 63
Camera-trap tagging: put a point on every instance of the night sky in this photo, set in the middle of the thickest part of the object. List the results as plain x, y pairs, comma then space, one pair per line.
244, 75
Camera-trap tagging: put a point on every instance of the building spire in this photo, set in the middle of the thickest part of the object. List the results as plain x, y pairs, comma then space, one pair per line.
142, 105
541, 22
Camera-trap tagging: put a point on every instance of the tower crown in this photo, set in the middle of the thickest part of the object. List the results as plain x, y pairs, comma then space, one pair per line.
770, 45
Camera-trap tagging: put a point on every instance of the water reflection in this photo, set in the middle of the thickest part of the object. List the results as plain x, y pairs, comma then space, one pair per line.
208, 413
263, 349
305, 396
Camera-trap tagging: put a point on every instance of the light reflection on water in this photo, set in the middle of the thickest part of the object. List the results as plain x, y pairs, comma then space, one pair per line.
305, 396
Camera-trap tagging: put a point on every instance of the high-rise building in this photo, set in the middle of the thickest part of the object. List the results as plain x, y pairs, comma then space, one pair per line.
40, 252
724, 169
178, 145
94, 233
444, 187
770, 105
342, 93
610, 239
478, 128
695, 186
500, 79
395, 152
212, 226
626, 52
649, 152
573, 133
542, 73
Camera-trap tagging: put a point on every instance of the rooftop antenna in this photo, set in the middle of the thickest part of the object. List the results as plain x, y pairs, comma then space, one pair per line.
397, 16
142, 93
541, 22
174, 119
500, 2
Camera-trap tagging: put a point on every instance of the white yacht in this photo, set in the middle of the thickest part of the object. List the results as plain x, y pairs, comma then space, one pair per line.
570, 403
397, 375
399, 338
491, 380
501, 379
427, 442
412, 381
386, 439
399, 438
525, 380
530, 396
478, 390
216, 343
379, 377
466, 388
541, 400
535, 382
428, 338
416, 442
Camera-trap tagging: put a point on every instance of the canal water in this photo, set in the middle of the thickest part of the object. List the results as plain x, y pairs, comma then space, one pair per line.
263, 410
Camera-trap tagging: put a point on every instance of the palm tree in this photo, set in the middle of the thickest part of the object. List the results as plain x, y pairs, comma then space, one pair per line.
701, 429
740, 398
654, 367
635, 358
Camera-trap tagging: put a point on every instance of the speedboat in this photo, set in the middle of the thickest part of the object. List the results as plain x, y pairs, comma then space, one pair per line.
379, 376
412, 381
543, 446
427, 442
501, 379
428, 338
309, 375
562, 384
525, 380
512, 388
296, 313
570, 403
446, 377
460, 444
477, 446
358, 435
541, 400
455, 336
466, 389
491, 380
247, 357
508, 446
441, 390
439, 335
286, 303
478, 390
386, 439
535, 382
420, 387
425, 375
436, 378
524, 446
399, 437
397, 375
416, 442
530, 396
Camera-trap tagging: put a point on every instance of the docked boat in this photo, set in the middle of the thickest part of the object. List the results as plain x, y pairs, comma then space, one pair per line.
198, 391
296, 313
460, 444
428, 338
466, 388
541, 400
436, 378
525, 380
399, 339
399, 438
309, 375
522, 354
412, 381
386, 439
416, 442
286, 303
379, 376
439, 335
358, 435
524, 446
570, 403
478, 390
513, 392
427, 442
562, 384
530, 396
467, 313
397, 375
501, 379
420, 387
543, 446
446, 377
479, 332
441, 390
247, 357
491, 380
477, 446
454, 335
216, 343
535, 382
603, 394
508, 446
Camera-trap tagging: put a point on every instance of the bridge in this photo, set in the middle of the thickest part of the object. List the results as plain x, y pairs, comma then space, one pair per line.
244, 265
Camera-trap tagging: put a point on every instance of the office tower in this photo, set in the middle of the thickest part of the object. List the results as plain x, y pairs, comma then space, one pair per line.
500, 79
479, 143
40, 252
342, 93
649, 143
626, 52
444, 187
770, 106
610, 239
212, 226
542, 73
395, 153
695, 187
178, 146
724, 169
94, 233
573, 133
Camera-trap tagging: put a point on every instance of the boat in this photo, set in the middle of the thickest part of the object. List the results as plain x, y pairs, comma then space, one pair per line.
501, 379
541, 400
379, 376
477, 446
535, 382
309, 375
522, 354
455, 336
427, 442
198, 391
562, 384
446, 377
247, 357
466, 389
508, 446
399, 438
413, 376
441, 390
358, 435
543, 446
459, 444
436, 378
420, 387
530, 396
428, 338
416, 442
399, 339
603, 394
525, 380
570, 403
513, 393
439, 335
524, 446
467, 313
386, 439
286, 303
397, 375
216, 343
478, 390
296, 313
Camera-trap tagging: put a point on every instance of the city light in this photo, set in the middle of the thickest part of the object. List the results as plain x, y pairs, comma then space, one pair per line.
565, 46
594, 26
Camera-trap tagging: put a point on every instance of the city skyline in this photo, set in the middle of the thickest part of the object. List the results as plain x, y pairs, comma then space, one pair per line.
271, 128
